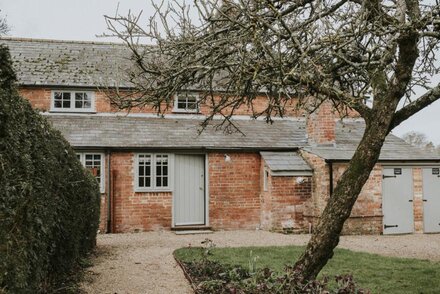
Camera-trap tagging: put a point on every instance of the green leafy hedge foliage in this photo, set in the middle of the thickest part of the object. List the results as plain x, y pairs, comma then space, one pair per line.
49, 204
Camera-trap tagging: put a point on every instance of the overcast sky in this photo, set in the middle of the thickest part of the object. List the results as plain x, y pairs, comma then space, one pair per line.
83, 20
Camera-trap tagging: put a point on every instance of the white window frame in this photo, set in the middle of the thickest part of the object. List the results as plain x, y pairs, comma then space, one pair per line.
265, 180
186, 110
82, 159
72, 107
153, 187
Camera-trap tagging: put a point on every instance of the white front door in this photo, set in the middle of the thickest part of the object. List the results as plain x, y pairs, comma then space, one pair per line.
431, 200
189, 190
397, 200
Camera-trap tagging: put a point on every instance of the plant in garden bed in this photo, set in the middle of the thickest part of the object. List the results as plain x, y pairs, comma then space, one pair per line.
208, 276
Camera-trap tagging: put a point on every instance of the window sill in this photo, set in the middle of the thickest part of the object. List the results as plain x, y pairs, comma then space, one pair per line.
72, 111
167, 190
180, 111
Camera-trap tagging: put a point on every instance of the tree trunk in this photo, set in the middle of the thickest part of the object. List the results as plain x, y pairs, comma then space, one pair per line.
326, 234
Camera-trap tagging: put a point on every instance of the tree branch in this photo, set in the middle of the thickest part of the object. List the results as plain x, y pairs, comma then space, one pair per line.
414, 107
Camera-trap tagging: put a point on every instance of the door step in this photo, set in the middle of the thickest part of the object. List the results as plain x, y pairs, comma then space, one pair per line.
192, 232
191, 228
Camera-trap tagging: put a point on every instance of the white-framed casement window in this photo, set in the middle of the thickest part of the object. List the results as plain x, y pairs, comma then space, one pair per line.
72, 101
153, 172
95, 163
186, 102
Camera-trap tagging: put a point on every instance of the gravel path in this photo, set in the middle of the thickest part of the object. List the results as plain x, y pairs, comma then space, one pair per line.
143, 262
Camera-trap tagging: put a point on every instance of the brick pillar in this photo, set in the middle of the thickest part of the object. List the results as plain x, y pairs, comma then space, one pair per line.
321, 125
418, 200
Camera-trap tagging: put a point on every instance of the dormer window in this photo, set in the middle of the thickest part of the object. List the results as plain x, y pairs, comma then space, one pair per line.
186, 102
72, 101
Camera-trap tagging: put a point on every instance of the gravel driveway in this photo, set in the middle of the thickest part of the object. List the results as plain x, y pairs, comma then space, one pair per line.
143, 262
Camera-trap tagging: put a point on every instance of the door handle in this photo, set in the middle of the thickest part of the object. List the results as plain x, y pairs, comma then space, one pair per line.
410, 200
390, 226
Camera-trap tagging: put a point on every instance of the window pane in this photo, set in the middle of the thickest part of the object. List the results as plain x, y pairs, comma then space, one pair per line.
66, 104
144, 170
93, 163
141, 170
87, 101
161, 170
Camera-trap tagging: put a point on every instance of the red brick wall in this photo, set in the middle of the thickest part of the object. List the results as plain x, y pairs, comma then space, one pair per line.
234, 188
234, 195
137, 211
366, 217
321, 125
40, 98
288, 199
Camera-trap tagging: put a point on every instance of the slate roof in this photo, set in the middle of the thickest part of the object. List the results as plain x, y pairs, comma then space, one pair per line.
98, 131
348, 136
285, 161
68, 63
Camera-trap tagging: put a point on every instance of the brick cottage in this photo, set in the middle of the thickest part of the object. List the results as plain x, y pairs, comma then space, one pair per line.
160, 173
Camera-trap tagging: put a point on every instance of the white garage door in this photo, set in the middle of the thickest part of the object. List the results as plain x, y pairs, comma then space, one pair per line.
397, 200
431, 200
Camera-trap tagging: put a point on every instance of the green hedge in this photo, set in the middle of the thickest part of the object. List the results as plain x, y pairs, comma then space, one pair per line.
49, 204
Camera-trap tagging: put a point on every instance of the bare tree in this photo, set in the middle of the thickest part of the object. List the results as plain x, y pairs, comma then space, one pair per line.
416, 139
343, 51
3, 26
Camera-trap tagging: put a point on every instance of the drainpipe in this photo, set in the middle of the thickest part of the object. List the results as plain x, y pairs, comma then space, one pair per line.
330, 167
109, 191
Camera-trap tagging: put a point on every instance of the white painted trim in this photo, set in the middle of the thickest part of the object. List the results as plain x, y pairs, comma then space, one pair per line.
206, 189
173, 116
265, 179
72, 101
291, 173
409, 164
179, 110
153, 187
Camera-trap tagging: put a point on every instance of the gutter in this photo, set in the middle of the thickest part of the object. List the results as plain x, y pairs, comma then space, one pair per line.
109, 193
190, 149
330, 167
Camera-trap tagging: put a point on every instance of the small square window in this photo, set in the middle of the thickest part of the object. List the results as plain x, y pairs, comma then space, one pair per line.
186, 102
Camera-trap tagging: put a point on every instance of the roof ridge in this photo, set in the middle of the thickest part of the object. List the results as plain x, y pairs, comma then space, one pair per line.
59, 41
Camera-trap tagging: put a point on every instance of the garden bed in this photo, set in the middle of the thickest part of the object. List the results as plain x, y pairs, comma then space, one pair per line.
214, 268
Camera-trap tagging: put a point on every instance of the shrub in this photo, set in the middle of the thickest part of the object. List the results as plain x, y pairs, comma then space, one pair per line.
49, 204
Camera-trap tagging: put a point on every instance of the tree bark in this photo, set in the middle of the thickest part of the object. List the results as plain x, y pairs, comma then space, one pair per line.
326, 234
